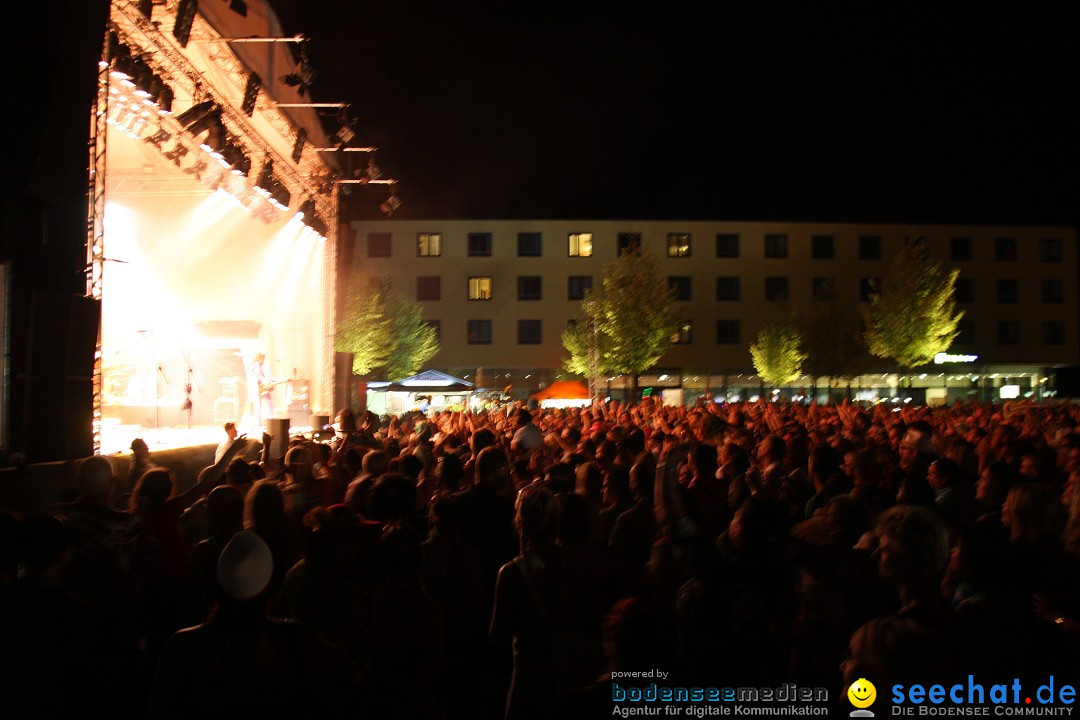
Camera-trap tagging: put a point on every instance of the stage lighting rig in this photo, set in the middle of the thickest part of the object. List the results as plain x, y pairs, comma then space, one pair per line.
303, 74
307, 209
391, 204
251, 94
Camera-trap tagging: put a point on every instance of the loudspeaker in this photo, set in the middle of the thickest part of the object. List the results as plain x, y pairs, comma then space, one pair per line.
279, 436
342, 380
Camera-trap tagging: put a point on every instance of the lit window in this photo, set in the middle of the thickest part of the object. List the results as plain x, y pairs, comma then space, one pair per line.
678, 245
480, 288
429, 244
580, 244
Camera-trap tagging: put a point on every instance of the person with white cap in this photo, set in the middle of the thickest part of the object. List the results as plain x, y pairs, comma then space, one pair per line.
239, 662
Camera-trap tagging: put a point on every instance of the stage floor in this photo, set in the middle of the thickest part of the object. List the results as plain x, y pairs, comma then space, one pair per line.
116, 437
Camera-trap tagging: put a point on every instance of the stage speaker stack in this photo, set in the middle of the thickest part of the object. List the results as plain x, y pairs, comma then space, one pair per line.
279, 436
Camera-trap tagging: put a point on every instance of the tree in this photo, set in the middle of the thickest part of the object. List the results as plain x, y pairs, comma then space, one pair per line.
384, 332
777, 352
911, 315
834, 344
627, 325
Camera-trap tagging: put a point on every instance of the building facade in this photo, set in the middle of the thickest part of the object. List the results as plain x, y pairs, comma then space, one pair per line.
501, 292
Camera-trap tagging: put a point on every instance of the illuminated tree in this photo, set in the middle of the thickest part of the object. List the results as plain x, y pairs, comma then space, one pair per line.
384, 332
778, 351
626, 326
911, 315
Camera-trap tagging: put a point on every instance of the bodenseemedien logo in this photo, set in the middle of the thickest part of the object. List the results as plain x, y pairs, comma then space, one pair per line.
861, 694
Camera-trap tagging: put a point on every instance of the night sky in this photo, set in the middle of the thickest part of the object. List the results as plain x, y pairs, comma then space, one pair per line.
717, 112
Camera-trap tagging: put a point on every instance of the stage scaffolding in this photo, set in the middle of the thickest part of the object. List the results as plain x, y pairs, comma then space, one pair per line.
206, 68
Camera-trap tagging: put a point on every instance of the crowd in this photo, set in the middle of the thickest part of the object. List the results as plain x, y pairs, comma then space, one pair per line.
505, 563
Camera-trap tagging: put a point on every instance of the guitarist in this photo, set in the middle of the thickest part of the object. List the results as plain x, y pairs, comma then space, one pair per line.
263, 384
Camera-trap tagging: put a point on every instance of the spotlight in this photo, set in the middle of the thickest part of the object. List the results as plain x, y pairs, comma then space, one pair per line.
185, 16
280, 195
373, 171
298, 146
234, 157
143, 77
197, 168
392, 203
266, 176
195, 113
215, 138
159, 138
178, 151
164, 100
239, 7
122, 63
251, 91
307, 209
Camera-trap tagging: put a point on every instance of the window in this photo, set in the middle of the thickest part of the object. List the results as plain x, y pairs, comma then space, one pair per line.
1005, 249
528, 287
822, 247
867, 287
776, 288
1008, 332
684, 334
1008, 291
529, 244
437, 327
1053, 291
1053, 332
1050, 250
869, 247
529, 332
727, 332
429, 244
429, 287
824, 289
681, 285
480, 288
960, 249
964, 291
776, 246
628, 242
580, 244
965, 332
727, 288
479, 244
479, 332
378, 245
678, 245
577, 285
727, 245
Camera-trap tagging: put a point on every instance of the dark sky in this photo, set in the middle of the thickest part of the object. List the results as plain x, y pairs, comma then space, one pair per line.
649, 110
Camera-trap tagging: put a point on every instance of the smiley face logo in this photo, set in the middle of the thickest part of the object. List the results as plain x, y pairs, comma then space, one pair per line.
862, 693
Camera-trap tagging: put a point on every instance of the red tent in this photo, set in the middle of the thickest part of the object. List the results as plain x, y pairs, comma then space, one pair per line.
563, 390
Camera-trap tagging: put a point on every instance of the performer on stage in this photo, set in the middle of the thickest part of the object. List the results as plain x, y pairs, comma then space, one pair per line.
260, 389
